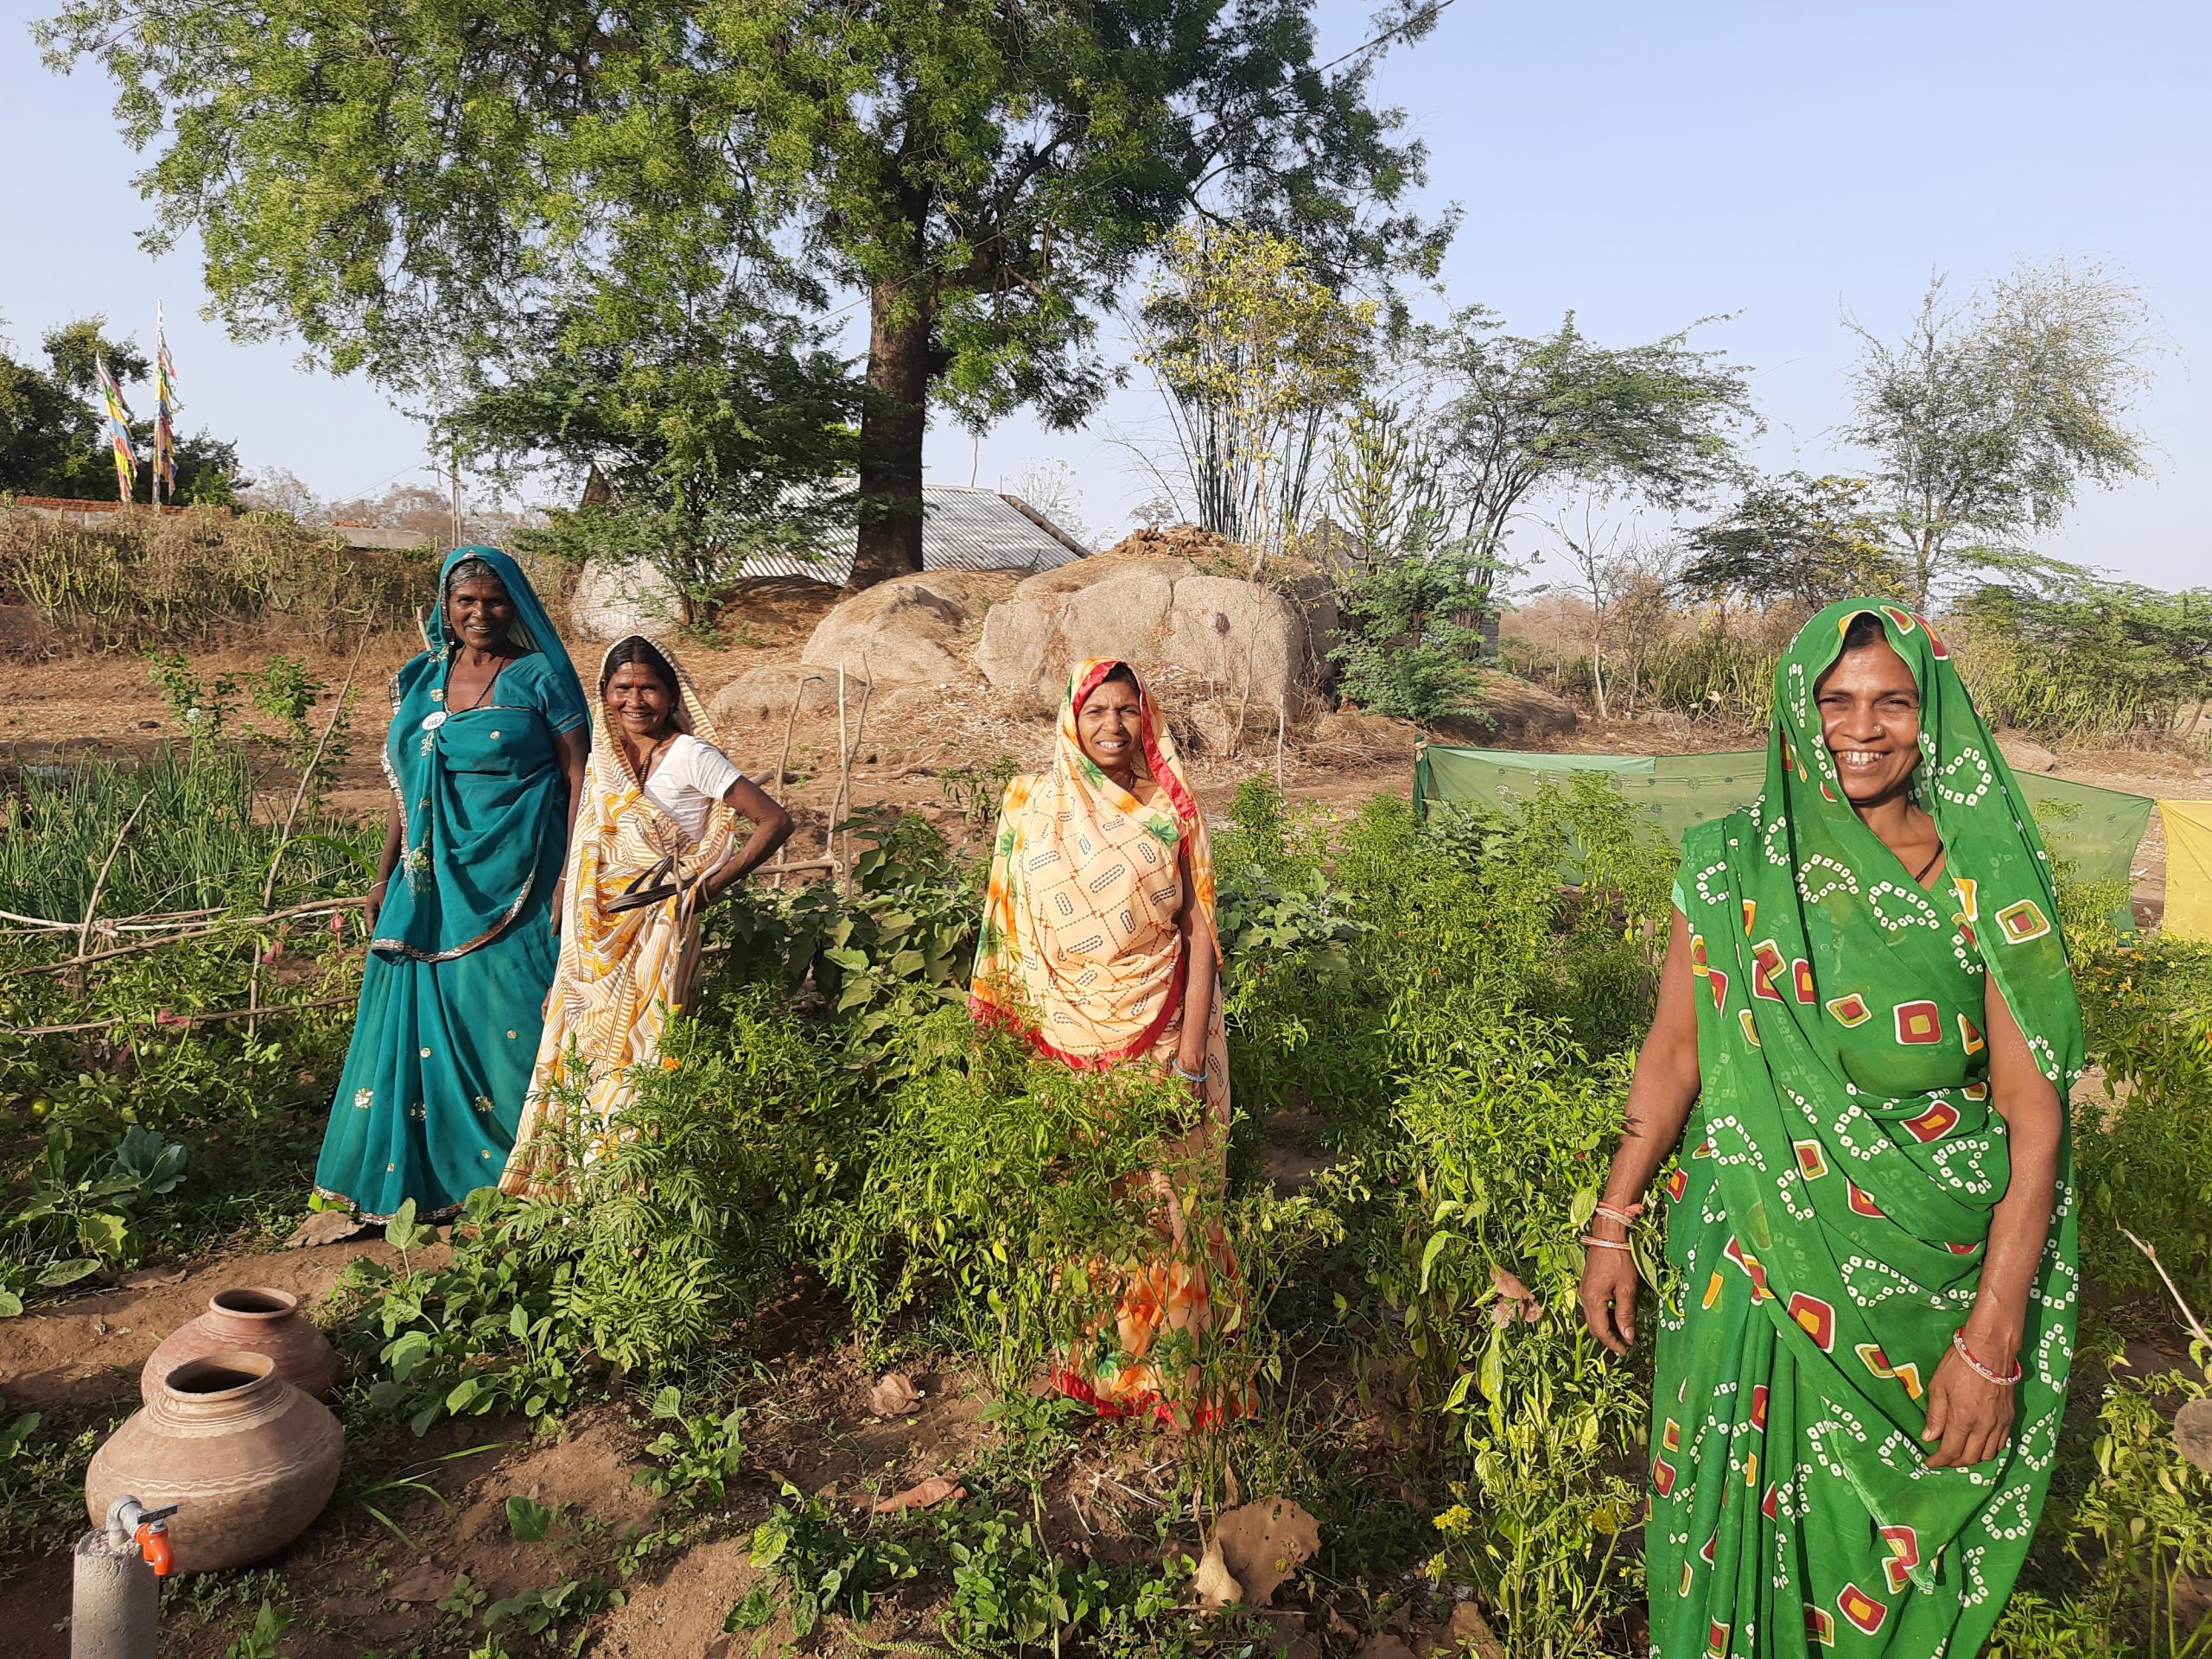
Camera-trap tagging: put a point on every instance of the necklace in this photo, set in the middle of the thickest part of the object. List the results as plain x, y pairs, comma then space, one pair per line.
438, 717
653, 759
1929, 865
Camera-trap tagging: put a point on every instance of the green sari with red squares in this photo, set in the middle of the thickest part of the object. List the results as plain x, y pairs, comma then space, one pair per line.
1831, 1214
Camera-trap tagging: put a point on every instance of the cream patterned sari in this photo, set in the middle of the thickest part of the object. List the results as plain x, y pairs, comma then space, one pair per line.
625, 967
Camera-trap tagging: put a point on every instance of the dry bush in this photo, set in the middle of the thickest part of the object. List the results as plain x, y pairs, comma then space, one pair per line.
192, 578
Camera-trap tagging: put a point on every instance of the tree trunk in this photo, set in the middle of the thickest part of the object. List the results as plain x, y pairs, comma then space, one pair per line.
896, 414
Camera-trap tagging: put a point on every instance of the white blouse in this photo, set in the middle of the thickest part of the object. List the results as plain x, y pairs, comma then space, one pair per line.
691, 777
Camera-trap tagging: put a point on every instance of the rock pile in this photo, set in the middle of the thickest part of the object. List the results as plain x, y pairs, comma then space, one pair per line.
1257, 644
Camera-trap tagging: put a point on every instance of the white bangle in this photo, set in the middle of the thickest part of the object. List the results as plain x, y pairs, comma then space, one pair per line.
1592, 1241
1176, 1067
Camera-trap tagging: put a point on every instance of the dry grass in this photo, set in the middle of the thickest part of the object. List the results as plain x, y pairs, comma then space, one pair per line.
201, 578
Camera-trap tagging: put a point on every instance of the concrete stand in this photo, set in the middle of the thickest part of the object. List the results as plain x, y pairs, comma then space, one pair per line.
115, 1612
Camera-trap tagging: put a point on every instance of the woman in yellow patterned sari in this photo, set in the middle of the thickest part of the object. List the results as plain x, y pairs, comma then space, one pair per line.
655, 843
1099, 948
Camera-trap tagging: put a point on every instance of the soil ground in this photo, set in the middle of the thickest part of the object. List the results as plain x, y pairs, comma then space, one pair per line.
373, 1586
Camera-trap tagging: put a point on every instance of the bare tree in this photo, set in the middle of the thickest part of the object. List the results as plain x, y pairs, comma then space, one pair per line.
1625, 580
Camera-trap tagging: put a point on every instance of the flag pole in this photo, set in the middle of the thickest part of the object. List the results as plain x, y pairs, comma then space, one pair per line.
164, 485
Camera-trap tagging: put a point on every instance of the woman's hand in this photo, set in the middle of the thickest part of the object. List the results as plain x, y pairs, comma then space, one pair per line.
1190, 1071
1968, 1414
560, 904
1609, 1286
376, 900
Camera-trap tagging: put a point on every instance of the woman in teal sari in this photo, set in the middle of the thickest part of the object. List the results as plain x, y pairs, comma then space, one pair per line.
485, 759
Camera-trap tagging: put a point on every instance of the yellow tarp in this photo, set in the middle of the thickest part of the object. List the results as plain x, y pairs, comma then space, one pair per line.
2188, 868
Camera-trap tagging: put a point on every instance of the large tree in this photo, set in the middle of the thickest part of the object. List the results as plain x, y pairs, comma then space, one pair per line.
1989, 416
405, 184
1522, 417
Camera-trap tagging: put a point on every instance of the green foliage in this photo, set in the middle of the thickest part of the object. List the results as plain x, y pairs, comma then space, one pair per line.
1415, 633
987, 175
1796, 540
2085, 659
1987, 417
259, 1639
882, 956
2142, 1142
977, 792
696, 1455
988, 1172
2139, 1539
1011, 1592
1523, 415
76, 1215
825, 1569
707, 433
1251, 348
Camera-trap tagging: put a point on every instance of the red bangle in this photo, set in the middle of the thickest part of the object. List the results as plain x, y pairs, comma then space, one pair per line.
1959, 1342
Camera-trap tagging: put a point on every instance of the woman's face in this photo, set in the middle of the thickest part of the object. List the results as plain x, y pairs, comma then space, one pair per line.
637, 700
1870, 718
1109, 728
479, 613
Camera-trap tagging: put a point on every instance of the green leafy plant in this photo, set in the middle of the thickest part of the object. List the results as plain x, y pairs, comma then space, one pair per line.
696, 1455
260, 1639
823, 1569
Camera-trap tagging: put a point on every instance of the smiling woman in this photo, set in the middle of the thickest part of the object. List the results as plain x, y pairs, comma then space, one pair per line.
1866, 1024
1099, 948
485, 758
655, 843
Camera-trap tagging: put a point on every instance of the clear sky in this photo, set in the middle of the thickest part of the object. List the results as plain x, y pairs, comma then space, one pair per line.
1643, 165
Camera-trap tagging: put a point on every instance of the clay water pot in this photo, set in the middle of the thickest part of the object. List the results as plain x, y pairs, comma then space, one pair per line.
257, 1321
249, 1460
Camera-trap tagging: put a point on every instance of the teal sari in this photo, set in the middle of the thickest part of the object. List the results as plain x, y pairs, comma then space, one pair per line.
453, 991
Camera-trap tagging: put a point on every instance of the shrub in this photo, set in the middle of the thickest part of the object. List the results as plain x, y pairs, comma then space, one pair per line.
192, 578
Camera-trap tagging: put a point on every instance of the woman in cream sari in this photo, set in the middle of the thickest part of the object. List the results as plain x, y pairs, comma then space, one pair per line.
1099, 948
655, 843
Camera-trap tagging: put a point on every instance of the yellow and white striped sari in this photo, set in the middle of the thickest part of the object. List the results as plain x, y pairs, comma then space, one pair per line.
622, 972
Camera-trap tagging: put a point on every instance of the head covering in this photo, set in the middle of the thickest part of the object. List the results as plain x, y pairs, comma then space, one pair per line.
532, 630
624, 966
1082, 948
1819, 854
1832, 1216
477, 788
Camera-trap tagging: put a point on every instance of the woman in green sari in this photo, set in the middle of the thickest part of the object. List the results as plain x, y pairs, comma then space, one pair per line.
1868, 1025
486, 759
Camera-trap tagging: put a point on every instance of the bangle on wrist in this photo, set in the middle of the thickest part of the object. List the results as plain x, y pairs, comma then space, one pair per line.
1959, 1342
1199, 1076
1590, 1241
1624, 1213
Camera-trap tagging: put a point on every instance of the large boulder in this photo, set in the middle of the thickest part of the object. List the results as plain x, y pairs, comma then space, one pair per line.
2022, 753
615, 598
912, 627
1244, 639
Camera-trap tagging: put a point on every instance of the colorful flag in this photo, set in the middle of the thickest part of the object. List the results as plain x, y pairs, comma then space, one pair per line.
119, 430
164, 413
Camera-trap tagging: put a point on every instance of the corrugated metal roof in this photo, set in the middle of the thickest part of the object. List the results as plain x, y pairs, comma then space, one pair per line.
963, 529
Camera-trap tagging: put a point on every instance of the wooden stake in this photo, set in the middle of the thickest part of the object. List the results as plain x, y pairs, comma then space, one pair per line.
845, 783
100, 882
1278, 724
291, 815
783, 763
